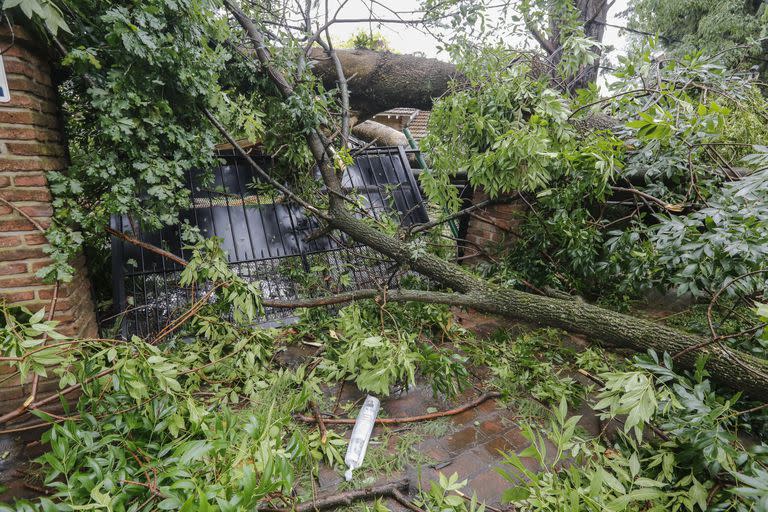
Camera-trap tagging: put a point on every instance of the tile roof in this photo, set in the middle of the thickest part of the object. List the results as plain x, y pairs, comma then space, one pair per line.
418, 125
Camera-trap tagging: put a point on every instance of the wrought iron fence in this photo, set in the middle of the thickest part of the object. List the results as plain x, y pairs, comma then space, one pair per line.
266, 238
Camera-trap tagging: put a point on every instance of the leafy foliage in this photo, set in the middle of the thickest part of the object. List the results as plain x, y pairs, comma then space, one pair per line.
367, 40
536, 362
200, 418
693, 460
367, 344
690, 143
138, 78
705, 25
442, 496
42, 10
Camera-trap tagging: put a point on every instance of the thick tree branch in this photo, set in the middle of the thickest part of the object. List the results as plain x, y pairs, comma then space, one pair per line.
384, 80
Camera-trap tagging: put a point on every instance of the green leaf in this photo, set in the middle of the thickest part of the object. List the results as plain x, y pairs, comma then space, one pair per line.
193, 450
515, 494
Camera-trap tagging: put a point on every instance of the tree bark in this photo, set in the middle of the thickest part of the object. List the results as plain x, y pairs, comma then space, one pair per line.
593, 14
380, 134
379, 81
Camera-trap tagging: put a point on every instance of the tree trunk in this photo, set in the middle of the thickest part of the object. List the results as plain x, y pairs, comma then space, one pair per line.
594, 14
379, 81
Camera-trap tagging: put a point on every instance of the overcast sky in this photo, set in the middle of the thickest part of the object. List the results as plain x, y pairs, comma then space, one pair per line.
408, 39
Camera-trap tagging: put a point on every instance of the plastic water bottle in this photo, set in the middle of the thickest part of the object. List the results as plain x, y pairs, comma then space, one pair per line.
361, 434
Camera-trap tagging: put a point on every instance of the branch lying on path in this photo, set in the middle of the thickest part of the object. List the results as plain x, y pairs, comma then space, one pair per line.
388, 490
408, 419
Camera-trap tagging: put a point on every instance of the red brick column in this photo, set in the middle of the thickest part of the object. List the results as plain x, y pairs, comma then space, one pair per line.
30, 145
492, 229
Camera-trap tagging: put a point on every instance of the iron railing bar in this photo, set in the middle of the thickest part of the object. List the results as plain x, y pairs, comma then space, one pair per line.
397, 187
260, 212
240, 190
378, 186
229, 215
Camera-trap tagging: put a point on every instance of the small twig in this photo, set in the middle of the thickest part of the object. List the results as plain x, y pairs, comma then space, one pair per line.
466, 211
146, 486
320, 423
37, 488
713, 492
12, 415
21, 212
338, 397
36, 378
753, 409
404, 501
667, 206
488, 507
261, 172
718, 338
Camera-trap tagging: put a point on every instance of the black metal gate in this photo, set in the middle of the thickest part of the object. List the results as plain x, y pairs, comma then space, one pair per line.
266, 239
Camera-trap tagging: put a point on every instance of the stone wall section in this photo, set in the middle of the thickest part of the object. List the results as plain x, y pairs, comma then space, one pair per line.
31, 144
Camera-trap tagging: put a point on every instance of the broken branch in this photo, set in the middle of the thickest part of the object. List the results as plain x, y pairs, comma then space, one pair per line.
409, 419
391, 489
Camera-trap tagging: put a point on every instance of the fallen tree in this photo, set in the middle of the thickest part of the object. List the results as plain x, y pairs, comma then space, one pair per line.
379, 81
161, 413
732, 368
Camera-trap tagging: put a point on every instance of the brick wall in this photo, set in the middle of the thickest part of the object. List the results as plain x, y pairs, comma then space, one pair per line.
30, 145
491, 229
